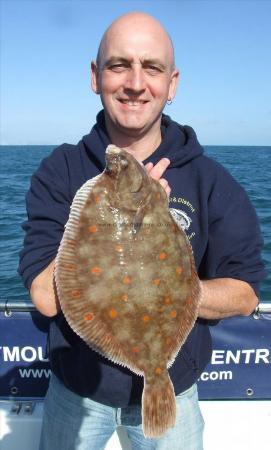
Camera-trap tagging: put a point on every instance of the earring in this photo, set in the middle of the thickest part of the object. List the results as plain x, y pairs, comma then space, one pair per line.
169, 102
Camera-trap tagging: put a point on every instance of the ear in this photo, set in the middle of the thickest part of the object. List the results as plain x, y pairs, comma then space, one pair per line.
173, 84
95, 78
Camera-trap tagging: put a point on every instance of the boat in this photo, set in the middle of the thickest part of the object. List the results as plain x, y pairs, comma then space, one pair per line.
234, 389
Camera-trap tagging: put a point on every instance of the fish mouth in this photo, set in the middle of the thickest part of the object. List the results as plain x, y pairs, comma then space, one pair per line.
112, 165
113, 149
115, 160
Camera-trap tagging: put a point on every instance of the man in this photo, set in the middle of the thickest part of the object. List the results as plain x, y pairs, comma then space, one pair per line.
135, 76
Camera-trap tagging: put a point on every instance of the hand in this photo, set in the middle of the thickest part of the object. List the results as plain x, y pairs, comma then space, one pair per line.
157, 171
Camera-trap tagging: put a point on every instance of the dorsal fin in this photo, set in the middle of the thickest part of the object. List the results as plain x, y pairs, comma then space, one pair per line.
78, 204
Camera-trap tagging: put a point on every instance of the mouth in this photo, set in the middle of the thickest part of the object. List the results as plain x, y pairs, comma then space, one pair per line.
129, 102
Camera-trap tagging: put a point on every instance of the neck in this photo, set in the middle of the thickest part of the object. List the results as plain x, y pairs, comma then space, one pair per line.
141, 146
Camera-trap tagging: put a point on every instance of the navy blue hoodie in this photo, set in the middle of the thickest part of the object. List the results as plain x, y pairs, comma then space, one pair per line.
212, 208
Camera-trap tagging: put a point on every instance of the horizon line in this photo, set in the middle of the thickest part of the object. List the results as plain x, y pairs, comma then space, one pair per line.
203, 145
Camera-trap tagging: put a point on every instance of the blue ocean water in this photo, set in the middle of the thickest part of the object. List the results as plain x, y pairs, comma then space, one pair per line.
249, 165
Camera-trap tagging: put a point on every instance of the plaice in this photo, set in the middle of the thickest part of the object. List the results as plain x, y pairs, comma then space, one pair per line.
126, 279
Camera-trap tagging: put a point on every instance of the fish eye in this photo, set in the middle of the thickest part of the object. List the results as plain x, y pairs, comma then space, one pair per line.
123, 162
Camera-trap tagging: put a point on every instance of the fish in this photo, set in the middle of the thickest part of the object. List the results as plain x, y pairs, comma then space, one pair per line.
126, 280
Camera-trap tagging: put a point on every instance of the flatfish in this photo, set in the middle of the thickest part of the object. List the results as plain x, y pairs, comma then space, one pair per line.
126, 279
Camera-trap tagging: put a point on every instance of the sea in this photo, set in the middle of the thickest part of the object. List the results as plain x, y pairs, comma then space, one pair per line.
251, 166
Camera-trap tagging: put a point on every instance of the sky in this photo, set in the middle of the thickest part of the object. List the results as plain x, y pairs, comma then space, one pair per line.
222, 49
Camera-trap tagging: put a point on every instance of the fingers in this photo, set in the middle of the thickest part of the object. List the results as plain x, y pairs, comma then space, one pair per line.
157, 171
148, 167
165, 185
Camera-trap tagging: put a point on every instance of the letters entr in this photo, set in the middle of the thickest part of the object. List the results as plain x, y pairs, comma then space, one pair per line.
244, 356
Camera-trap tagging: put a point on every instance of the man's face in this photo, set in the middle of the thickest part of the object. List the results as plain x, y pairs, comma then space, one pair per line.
135, 78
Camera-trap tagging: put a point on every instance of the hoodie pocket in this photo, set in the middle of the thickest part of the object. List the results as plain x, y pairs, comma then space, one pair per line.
189, 359
196, 350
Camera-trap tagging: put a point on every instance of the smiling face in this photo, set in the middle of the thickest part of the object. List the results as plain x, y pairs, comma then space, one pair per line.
134, 75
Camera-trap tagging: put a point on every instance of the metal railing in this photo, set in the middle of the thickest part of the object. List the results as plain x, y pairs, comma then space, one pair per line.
10, 306
262, 310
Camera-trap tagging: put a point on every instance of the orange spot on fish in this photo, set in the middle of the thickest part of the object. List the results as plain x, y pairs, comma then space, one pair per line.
179, 270
119, 248
92, 229
158, 370
162, 256
96, 270
97, 198
135, 349
156, 281
158, 195
127, 280
174, 227
76, 293
168, 341
167, 300
112, 313
124, 297
146, 318
173, 314
89, 317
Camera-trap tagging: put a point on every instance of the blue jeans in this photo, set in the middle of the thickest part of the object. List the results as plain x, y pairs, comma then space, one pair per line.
71, 422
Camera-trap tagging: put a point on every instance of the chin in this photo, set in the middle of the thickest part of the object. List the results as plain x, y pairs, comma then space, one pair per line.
133, 132
131, 127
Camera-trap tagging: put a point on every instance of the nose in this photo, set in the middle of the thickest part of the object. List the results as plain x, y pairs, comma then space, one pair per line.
135, 80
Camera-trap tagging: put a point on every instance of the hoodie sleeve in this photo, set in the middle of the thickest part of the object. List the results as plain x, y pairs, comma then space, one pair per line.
235, 241
48, 206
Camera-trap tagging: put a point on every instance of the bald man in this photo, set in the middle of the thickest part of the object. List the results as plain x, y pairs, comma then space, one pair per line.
88, 397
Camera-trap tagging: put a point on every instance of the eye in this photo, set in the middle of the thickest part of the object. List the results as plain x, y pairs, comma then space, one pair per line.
123, 162
119, 67
153, 70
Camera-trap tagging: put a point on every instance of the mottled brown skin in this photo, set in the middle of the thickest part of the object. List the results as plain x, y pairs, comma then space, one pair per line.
126, 280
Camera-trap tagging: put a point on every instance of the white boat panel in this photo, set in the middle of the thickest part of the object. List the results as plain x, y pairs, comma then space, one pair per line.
235, 425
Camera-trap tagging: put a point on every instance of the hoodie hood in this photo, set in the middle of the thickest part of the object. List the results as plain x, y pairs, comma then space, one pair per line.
179, 143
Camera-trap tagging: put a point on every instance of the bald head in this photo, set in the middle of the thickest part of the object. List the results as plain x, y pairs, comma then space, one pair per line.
134, 75
134, 24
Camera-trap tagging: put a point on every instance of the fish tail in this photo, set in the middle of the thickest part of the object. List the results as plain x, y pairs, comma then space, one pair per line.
158, 406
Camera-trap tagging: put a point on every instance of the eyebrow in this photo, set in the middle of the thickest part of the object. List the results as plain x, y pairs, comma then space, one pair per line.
120, 59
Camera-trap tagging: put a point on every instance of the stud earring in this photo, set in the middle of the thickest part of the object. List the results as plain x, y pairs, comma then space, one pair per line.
169, 102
